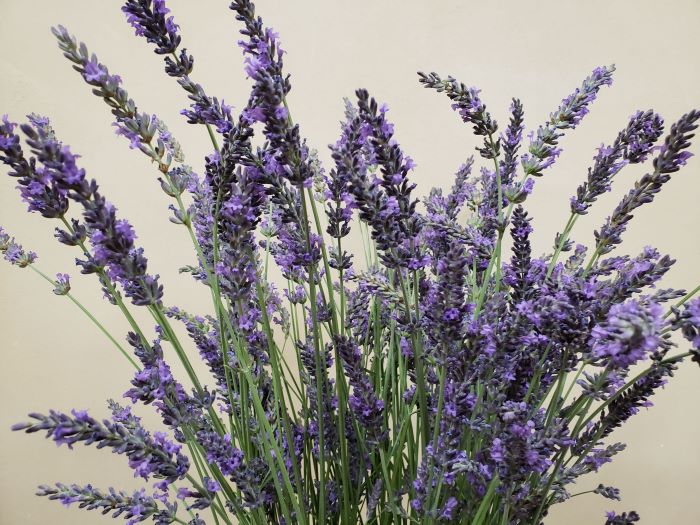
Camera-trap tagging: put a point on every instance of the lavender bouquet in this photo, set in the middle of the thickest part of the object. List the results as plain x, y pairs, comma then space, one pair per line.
441, 379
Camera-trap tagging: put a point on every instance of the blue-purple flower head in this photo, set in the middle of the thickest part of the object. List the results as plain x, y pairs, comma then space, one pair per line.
61, 284
687, 320
626, 518
261, 53
97, 74
13, 252
8, 138
574, 107
632, 146
630, 333
37, 184
149, 19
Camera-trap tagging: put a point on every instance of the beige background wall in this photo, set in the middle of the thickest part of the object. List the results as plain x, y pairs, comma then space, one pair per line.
53, 358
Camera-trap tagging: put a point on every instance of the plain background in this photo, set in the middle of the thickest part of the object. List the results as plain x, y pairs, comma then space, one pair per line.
52, 357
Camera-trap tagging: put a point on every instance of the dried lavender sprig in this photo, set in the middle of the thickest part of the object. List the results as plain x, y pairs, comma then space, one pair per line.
673, 155
135, 508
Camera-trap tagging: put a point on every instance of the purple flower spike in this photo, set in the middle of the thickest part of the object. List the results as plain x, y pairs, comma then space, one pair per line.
13, 252
148, 18
135, 508
632, 146
630, 333
543, 150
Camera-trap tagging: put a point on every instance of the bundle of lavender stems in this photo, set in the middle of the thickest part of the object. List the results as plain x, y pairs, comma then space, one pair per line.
441, 378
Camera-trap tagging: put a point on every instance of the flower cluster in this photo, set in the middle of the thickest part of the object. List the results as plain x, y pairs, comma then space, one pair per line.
443, 373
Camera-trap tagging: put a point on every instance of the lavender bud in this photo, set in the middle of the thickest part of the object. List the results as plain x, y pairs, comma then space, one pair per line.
62, 284
608, 492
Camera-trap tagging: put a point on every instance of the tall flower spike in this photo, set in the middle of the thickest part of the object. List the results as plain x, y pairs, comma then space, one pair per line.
511, 142
112, 238
543, 149
136, 508
632, 146
148, 17
466, 101
140, 128
672, 156
522, 251
149, 456
461, 189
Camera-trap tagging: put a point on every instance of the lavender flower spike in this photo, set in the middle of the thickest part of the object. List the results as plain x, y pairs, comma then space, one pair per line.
13, 252
135, 508
148, 456
630, 333
466, 101
632, 146
112, 238
673, 155
41, 192
148, 18
543, 150
140, 128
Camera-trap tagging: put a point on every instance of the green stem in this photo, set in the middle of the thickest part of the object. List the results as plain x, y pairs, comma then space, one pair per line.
320, 368
99, 325
562, 242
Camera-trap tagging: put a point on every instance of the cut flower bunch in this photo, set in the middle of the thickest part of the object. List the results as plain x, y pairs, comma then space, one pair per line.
450, 376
